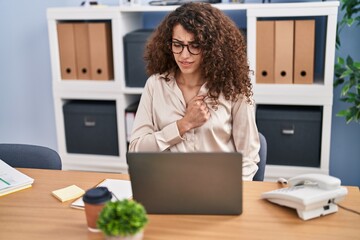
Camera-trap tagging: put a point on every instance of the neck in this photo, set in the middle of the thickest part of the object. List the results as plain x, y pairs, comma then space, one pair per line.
190, 80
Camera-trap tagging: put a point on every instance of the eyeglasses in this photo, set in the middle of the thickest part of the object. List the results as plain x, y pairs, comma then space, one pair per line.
177, 48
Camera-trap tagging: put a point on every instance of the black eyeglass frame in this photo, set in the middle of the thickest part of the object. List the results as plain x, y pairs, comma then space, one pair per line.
182, 47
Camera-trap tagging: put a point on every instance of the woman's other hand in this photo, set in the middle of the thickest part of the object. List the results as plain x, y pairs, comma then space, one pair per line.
197, 113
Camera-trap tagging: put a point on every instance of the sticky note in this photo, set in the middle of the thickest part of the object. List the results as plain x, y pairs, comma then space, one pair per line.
68, 193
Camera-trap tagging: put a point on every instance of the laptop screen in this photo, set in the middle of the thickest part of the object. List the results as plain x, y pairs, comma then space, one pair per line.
187, 183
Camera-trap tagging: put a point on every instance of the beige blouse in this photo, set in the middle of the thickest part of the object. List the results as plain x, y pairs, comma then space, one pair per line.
230, 128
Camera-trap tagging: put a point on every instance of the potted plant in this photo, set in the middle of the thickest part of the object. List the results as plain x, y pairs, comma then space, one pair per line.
347, 71
123, 219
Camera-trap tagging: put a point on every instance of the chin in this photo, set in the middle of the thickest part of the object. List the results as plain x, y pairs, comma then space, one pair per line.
187, 70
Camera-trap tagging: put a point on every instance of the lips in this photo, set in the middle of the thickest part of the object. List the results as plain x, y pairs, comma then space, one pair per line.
185, 63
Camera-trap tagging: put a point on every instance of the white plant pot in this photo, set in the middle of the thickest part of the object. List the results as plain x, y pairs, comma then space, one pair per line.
138, 236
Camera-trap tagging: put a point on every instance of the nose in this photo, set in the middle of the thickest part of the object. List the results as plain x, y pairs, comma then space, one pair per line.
185, 52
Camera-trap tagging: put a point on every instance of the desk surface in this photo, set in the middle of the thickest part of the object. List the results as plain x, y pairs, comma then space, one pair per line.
35, 214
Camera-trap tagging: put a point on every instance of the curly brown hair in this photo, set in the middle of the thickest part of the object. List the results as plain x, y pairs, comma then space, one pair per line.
224, 64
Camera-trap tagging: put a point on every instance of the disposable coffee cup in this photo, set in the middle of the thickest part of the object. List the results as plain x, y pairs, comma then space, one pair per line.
94, 200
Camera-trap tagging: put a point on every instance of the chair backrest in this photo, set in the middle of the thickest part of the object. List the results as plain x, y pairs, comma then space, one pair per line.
259, 176
30, 156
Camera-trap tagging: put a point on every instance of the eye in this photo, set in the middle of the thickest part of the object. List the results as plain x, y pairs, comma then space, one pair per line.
195, 45
176, 44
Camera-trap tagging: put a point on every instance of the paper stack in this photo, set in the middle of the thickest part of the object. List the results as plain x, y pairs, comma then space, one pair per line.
12, 180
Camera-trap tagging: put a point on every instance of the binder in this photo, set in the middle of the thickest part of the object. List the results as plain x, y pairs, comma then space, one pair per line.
284, 46
130, 113
304, 51
265, 44
66, 41
82, 50
101, 60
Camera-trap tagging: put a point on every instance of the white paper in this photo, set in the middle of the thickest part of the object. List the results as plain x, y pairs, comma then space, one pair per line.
121, 189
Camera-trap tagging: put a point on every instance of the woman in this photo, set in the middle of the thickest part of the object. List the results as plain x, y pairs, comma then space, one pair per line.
198, 96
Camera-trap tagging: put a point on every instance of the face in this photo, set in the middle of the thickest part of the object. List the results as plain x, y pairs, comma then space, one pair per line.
188, 63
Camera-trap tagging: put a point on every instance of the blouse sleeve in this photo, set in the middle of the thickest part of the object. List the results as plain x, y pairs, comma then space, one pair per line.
246, 136
145, 136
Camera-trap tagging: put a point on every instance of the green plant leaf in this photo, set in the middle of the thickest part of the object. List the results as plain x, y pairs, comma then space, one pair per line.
350, 22
345, 89
340, 60
353, 68
339, 69
346, 73
352, 95
122, 218
349, 118
348, 100
357, 65
338, 81
342, 113
349, 60
357, 116
345, 113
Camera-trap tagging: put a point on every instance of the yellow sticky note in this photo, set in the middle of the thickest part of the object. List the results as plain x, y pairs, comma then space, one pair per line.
68, 193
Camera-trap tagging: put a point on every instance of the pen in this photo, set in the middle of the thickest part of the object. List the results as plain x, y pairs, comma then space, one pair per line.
5, 181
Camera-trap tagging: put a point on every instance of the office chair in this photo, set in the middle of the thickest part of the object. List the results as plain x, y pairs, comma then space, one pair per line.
29, 156
259, 176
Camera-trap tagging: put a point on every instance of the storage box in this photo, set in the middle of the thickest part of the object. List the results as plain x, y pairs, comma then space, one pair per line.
91, 127
293, 134
134, 44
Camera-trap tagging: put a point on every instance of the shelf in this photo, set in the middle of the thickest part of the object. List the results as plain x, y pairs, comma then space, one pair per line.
88, 162
308, 6
82, 13
149, 8
88, 85
106, 12
294, 94
132, 90
126, 18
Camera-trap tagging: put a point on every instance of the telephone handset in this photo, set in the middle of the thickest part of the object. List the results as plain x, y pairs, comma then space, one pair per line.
312, 195
322, 181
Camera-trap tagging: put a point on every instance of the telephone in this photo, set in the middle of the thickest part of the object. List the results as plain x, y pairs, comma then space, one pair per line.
312, 195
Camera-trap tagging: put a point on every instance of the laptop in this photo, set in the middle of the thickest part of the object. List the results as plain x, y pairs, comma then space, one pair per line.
187, 183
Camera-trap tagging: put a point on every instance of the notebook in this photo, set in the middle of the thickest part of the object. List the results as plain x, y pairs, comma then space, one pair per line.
187, 183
